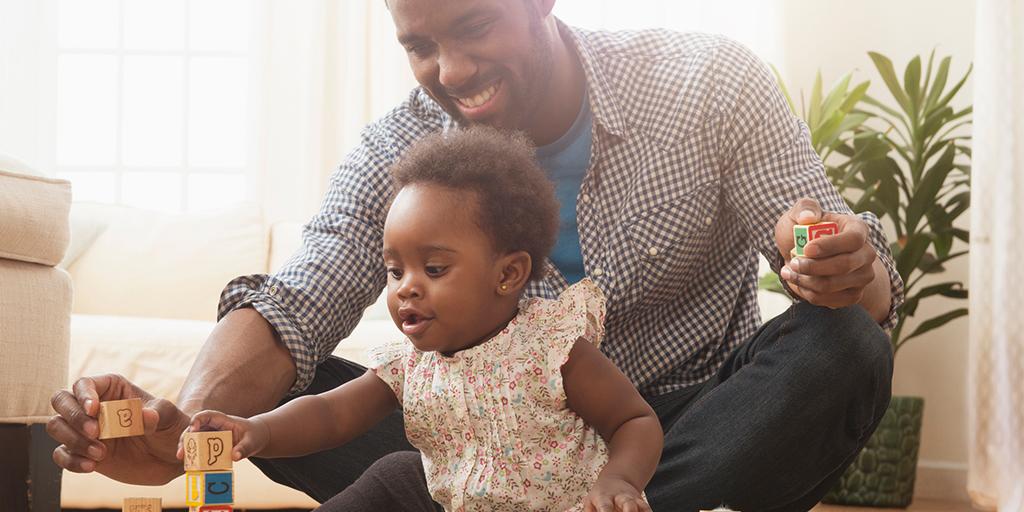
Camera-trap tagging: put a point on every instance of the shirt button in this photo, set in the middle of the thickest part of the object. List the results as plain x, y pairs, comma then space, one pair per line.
653, 251
598, 272
273, 289
585, 198
707, 220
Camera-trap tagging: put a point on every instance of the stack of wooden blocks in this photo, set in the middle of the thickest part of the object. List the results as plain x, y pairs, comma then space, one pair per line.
209, 480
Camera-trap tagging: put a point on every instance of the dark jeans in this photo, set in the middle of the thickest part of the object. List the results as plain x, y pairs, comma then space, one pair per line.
774, 429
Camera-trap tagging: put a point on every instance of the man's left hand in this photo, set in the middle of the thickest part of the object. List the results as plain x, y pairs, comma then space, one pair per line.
835, 270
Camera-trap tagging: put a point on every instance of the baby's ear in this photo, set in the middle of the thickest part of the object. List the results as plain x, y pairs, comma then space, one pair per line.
515, 270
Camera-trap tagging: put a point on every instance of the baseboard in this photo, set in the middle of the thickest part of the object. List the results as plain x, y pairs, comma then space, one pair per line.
941, 480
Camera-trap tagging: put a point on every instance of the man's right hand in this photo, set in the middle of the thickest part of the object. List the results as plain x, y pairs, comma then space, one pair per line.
144, 460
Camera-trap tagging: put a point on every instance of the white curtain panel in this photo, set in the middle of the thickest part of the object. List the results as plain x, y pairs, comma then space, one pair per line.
996, 378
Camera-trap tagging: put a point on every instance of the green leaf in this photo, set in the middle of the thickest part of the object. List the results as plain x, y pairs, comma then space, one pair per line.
814, 107
912, 82
956, 88
925, 191
952, 289
835, 96
935, 323
855, 96
940, 83
785, 91
911, 254
888, 73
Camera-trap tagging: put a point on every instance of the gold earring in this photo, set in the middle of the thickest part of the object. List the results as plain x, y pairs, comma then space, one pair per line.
504, 287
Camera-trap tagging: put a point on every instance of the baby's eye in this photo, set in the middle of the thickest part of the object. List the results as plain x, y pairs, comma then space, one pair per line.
395, 273
434, 271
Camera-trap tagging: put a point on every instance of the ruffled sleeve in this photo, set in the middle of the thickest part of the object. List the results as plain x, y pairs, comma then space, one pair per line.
389, 362
578, 313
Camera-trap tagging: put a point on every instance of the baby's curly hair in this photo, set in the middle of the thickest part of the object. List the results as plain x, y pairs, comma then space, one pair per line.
516, 200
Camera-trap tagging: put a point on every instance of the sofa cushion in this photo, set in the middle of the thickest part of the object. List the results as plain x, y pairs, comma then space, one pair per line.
35, 305
162, 265
33, 216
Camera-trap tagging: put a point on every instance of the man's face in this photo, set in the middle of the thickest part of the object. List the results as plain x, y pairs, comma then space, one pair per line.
483, 61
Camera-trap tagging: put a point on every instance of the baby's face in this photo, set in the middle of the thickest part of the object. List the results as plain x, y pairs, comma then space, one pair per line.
443, 273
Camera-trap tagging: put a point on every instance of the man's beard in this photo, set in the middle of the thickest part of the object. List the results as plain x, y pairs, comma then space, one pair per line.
525, 97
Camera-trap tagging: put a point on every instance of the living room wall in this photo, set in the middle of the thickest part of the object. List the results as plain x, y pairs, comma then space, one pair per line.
836, 37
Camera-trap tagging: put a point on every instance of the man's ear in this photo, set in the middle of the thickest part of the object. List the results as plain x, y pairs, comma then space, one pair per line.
515, 269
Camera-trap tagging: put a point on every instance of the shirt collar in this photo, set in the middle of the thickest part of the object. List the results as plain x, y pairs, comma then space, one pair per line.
605, 109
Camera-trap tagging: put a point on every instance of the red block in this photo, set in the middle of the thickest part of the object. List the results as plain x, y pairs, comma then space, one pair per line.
821, 229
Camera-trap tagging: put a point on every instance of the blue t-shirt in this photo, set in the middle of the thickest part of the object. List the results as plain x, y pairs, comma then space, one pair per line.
566, 161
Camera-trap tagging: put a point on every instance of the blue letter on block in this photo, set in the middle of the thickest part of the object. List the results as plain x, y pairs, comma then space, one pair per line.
219, 488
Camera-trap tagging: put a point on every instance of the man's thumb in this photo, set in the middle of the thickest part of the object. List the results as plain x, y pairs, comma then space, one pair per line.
806, 211
160, 414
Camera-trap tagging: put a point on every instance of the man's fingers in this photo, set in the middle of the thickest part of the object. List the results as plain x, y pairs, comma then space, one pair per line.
72, 410
73, 440
852, 237
840, 264
805, 211
823, 285
71, 462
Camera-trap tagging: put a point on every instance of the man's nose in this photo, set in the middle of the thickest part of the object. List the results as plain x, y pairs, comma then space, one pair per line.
456, 69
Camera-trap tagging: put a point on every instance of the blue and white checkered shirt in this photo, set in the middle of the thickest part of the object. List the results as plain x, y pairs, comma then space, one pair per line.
695, 157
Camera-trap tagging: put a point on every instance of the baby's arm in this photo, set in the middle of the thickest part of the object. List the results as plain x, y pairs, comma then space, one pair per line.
597, 391
307, 424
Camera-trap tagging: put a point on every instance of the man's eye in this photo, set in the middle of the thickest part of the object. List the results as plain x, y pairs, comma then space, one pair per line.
477, 30
419, 50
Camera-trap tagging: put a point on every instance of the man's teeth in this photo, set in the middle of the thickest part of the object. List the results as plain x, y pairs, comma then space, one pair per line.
479, 99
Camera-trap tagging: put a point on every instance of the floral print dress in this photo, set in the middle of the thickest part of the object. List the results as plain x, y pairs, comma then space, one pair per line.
492, 422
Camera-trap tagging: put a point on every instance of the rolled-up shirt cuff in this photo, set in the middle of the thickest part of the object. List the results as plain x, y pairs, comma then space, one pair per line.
262, 293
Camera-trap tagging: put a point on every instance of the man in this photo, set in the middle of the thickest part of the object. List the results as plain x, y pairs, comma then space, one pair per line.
675, 159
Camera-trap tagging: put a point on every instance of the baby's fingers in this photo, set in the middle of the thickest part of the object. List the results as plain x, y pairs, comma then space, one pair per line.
630, 503
210, 420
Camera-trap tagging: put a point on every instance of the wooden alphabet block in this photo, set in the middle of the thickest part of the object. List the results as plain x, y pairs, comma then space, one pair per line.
205, 451
142, 505
203, 488
803, 234
212, 508
121, 418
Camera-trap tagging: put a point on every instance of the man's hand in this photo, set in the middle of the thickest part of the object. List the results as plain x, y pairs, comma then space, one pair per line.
146, 460
836, 270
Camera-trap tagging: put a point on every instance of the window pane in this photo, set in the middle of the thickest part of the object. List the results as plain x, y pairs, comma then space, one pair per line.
91, 186
152, 190
207, 192
220, 25
153, 102
86, 109
154, 24
217, 113
87, 23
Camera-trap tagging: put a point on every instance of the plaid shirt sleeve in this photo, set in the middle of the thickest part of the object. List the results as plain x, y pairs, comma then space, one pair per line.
771, 162
318, 296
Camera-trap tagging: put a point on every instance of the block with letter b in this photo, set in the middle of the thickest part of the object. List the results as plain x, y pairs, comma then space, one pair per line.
805, 233
208, 488
206, 451
120, 418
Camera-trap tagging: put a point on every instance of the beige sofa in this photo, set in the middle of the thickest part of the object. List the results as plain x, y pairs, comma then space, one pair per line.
145, 300
35, 306
146, 290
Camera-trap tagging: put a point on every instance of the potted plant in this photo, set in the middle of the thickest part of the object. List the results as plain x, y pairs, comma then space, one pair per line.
909, 164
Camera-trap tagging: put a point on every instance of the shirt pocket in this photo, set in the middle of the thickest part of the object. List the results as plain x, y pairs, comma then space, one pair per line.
670, 241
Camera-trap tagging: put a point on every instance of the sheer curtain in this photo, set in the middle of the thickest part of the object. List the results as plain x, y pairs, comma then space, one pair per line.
996, 379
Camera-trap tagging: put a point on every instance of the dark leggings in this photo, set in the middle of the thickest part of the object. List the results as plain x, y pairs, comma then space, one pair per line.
396, 482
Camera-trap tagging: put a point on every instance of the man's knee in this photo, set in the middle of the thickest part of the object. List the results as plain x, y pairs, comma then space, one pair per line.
846, 341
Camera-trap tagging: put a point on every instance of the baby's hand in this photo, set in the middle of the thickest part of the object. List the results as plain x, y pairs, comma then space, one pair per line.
612, 494
250, 436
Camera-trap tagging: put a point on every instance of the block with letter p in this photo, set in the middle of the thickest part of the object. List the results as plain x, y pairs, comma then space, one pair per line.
805, 233
207, 488
207, 451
